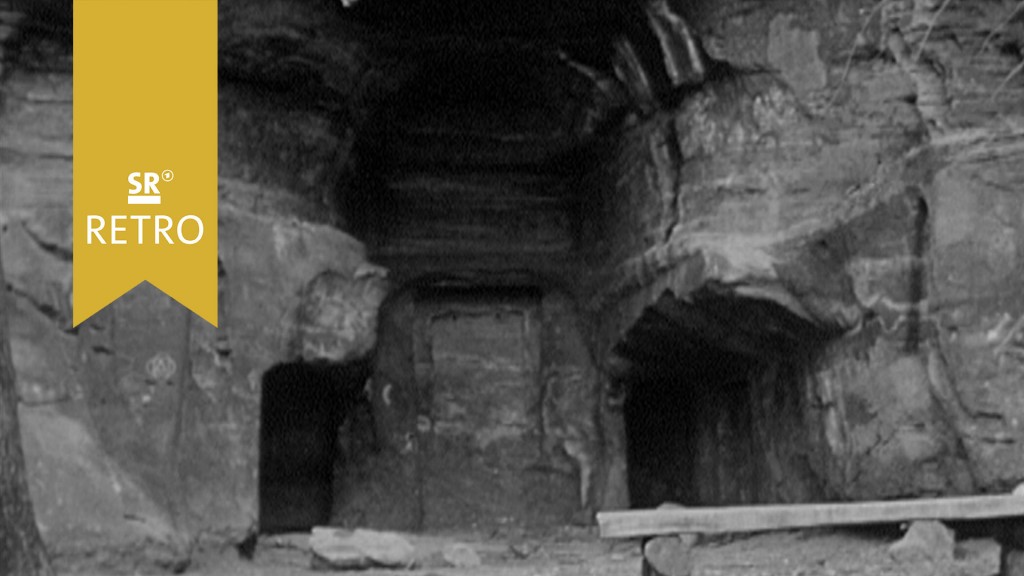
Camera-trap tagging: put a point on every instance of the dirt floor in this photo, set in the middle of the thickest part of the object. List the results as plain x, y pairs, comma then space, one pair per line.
578, 552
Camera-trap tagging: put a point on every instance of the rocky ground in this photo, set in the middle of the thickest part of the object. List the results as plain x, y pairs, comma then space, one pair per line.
578, 552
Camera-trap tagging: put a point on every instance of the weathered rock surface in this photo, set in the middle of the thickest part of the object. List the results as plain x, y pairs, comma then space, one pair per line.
337, 549
144, 412
850, 190
87, 506
338, 314
267, 264
833, 221
512, 438
461, 555
670, 555
927, 545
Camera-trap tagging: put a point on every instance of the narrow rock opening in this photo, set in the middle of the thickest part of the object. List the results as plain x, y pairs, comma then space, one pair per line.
717, 408
309, 432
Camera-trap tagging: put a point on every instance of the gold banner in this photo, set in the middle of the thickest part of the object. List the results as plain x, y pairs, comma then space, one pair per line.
145, 151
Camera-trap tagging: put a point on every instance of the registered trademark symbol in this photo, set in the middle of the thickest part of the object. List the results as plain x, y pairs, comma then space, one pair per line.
167, 175
161, 367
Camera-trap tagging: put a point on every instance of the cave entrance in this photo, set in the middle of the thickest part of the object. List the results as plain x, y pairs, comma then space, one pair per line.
718, 411
304, 406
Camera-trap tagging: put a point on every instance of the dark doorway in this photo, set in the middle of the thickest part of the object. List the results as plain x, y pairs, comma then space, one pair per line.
303, 406
691, 430
718, 409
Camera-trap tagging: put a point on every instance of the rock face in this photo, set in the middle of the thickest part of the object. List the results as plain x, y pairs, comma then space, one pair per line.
850, 191
461, 555
927, 546
142, 424
485, 406
781, 267
337, 312
87, 505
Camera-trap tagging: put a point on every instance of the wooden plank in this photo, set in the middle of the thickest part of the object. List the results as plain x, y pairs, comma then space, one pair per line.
636, 523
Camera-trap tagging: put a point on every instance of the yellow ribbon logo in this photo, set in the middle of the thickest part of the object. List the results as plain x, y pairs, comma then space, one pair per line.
145, 152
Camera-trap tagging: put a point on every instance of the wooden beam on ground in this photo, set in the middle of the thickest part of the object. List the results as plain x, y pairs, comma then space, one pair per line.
638, 523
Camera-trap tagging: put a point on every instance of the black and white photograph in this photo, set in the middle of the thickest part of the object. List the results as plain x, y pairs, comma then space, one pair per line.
536, 288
